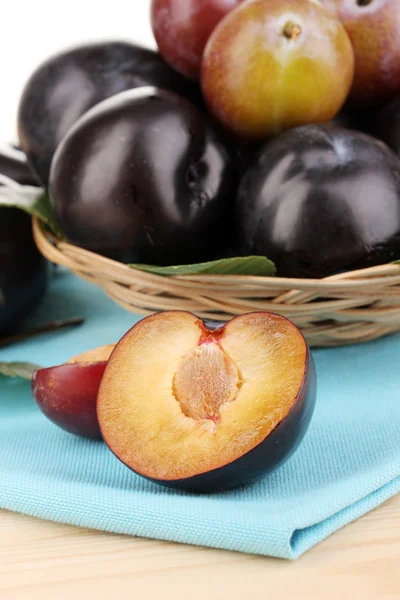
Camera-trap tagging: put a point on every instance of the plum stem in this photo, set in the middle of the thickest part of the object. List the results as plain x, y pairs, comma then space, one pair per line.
291, 31
47, 327
363, 2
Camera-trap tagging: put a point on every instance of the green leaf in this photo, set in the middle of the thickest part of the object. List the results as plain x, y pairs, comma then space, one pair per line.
248, 265
32, 200
18, 369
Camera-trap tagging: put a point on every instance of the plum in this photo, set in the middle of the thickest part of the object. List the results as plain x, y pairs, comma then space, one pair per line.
270, 65
207, 406
182, 29
359, 119
387, 125
67, 394
143, 177
321, 200
23, 270
65, 86
14, 165
374, 30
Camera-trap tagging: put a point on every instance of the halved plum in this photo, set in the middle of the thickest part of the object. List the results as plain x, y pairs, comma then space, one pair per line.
207, 406
67, 393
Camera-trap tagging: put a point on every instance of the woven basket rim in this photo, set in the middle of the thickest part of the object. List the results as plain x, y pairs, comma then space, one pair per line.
356, 278
352, 307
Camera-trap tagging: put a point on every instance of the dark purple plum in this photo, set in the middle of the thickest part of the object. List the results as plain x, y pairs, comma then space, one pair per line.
64, 87
388, 125
361, 119
143, 177
23, 270
13, 164
321, 200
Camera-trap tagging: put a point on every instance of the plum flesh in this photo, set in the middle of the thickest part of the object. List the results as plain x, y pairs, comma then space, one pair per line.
205, 406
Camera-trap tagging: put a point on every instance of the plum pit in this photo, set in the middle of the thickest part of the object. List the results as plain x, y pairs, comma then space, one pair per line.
206, 379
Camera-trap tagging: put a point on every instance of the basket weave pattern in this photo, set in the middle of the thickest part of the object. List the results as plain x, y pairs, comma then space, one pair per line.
347, 308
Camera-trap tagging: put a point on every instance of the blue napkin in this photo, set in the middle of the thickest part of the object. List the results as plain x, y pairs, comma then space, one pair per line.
348, 464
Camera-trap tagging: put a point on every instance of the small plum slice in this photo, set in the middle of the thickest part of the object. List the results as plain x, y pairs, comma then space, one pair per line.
207, 406
67, 393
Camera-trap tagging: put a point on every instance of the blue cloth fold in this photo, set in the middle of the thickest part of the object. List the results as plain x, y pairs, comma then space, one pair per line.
348, 464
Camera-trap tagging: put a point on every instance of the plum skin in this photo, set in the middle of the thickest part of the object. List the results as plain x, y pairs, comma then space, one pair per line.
68, 84
182, 29
260, 76
339, 172
387, 125
268, 455
14, 165
67, 396
23, 270
159, 195
374, 30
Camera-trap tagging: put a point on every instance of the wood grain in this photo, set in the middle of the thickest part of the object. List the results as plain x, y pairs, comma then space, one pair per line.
45, 560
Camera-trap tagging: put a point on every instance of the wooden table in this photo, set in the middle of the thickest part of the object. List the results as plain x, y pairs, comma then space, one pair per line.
44, 560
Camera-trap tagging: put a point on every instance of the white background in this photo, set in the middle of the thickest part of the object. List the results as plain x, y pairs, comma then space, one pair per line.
32, 30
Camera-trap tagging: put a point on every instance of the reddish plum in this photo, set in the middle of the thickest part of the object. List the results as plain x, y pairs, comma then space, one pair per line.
182, 29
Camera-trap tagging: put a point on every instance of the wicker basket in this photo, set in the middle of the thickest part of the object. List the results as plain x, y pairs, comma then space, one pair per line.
353, 307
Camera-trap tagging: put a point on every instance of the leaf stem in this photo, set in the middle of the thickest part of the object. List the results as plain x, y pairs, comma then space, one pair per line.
47, 327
